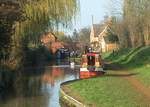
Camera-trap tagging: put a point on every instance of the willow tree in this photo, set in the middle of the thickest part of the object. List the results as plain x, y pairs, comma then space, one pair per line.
46, 15
41, 16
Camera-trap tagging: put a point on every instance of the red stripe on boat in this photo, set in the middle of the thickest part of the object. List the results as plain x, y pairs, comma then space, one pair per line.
90, 74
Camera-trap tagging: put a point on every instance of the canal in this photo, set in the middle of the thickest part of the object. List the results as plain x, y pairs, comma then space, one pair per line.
39, 86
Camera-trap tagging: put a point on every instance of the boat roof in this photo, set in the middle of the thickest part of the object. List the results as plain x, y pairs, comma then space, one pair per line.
92, 54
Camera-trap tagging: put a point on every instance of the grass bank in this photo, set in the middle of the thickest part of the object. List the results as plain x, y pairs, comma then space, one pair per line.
131, 58
135, 60
113, 90
107, 91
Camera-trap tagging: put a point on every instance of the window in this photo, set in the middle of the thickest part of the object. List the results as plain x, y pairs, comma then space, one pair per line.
91, 60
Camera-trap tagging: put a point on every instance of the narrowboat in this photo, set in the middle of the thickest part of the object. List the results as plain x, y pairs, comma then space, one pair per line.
91, 65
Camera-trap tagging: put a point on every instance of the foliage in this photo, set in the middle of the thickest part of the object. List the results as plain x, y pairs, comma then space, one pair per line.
46, 15
81, 39
84, 36
133, 28
39, 16
65, 39
75, 36
131, 57
111, 38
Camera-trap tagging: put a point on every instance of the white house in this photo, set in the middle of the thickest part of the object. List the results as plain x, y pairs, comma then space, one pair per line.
99, 37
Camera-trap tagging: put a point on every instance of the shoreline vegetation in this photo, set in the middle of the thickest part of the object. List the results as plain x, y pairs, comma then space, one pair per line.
125, 84
21, 25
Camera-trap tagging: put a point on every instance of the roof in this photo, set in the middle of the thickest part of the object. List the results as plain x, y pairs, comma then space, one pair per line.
48, 37
111, 38
50, 34
106, 38
97, 29
92, 54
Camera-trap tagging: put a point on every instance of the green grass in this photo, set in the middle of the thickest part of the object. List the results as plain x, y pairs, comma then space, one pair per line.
76, 60
144, 75
108, 91
114, 91
110, 56
130, 58
135, 60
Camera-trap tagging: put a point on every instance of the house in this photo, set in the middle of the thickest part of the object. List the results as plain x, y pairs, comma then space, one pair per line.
100, 37
94, 36
105, 42
48, 38
50, 41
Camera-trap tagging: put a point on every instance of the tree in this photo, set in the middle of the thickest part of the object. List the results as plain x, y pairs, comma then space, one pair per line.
37, 17
136, 15
75, 36
134, 25
84, 36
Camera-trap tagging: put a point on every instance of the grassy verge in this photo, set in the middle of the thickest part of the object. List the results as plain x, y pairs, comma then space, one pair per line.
108, 91
143, 75
135, 60
114, 91
130, 58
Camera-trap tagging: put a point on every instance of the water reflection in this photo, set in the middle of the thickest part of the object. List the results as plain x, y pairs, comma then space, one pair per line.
52, 74
39, 87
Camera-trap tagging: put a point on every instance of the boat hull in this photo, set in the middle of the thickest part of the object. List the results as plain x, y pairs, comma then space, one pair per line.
84, 73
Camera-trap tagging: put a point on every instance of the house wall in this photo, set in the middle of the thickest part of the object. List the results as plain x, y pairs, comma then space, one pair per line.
92, 36
103, 45
111, 47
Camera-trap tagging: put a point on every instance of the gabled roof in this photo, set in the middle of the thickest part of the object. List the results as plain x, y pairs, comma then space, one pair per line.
48, 37
106, 39
108, 35
97, 29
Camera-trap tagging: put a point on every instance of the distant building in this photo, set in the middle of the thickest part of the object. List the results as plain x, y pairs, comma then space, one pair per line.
48, 38
99, 37
50, 41
94, 36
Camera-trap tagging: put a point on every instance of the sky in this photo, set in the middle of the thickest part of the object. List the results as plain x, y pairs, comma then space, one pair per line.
96, 8
88, 8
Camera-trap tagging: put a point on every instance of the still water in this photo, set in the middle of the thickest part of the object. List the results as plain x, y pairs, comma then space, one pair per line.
39, 86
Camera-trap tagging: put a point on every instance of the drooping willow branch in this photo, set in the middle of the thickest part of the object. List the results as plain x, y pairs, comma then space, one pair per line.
45, 15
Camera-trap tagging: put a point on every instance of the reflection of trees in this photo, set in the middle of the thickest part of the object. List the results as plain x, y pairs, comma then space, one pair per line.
26, 91
50, 77
29, 90
27, 86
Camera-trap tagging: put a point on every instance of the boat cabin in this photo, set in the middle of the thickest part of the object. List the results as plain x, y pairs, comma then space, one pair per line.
91, 65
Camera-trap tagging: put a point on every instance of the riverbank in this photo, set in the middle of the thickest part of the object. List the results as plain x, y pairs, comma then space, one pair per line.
68, 101
128, 87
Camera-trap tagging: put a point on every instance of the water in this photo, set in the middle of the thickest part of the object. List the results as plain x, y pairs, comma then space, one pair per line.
38, 87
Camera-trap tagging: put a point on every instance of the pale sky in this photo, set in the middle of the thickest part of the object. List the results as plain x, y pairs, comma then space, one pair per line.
97, 8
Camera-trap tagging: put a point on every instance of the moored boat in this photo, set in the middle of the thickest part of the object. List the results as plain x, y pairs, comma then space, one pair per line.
91, 66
